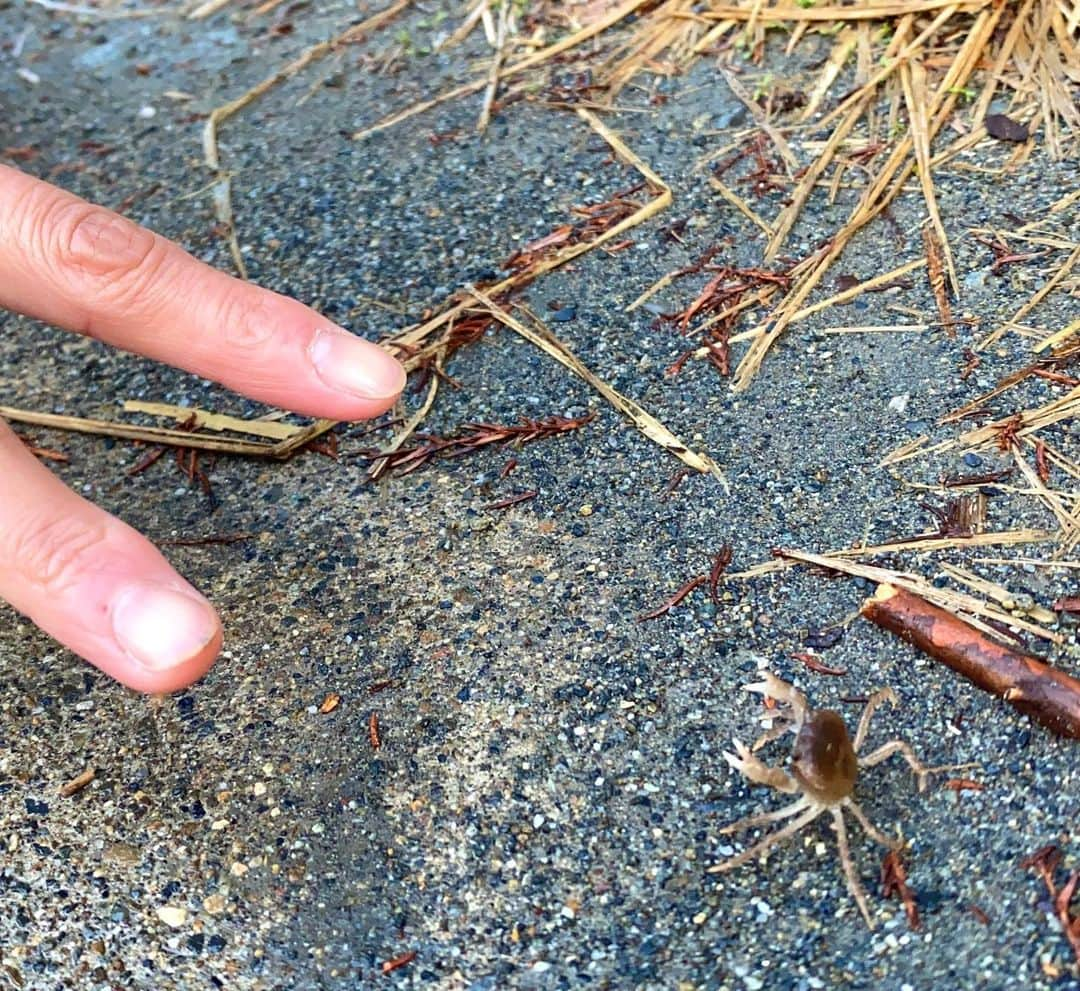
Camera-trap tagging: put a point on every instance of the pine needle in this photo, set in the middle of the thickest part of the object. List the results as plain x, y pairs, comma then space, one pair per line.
960, 604
741, 205
652, 428
1047, 287
408, 340
222, 190
169, 437
199, 419
529, 62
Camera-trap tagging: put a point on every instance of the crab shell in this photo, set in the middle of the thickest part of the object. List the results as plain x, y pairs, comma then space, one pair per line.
824, 760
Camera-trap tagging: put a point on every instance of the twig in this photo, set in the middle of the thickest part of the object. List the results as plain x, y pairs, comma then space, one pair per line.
1027, 683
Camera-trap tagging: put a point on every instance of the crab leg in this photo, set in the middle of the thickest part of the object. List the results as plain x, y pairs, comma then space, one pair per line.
762, 818
854, 885
872, 704
784, 693
771, 840
886, 750
869, 828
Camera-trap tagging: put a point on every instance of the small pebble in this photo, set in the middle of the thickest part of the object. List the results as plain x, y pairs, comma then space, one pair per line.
173, 916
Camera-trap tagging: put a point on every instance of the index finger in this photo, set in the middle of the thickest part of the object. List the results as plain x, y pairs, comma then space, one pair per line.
90, 270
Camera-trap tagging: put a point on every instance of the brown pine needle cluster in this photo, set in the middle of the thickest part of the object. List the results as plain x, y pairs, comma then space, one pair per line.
472, 437
714, 312
1045, 861
596, 219
935, 270
894, 882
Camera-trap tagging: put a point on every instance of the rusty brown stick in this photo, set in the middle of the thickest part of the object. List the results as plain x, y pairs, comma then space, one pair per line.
1027, 683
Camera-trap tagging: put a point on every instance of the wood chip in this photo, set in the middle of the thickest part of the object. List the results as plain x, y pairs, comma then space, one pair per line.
78, 783
389, 966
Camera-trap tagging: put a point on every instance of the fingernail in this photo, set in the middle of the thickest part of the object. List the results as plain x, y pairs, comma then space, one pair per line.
159, 626
351, 364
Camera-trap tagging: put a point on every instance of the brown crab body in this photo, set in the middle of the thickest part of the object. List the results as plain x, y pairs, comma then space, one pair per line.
824, 760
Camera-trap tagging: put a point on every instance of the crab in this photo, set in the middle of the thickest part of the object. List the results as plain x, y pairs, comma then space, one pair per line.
825, 763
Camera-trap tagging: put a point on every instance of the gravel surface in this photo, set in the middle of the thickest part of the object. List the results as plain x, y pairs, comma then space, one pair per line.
549, 789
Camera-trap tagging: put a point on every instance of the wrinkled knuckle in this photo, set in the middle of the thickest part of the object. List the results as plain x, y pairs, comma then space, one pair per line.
99, 253
52, 554
244, 322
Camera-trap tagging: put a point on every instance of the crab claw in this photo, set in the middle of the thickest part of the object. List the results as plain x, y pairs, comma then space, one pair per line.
784, 693
742, 757
757, 771
769, 685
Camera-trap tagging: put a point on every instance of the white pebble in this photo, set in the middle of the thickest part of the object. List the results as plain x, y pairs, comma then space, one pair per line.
173, 916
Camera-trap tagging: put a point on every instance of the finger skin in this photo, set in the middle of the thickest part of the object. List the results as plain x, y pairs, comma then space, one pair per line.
92, 271
95, 584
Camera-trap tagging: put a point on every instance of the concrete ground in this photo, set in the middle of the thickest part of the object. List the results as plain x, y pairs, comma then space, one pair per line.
549, 789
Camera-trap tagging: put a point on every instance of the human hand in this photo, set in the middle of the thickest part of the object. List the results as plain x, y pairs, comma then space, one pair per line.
82, 576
